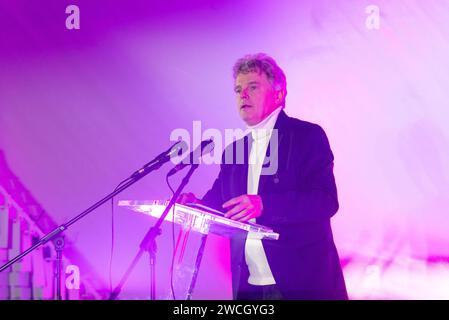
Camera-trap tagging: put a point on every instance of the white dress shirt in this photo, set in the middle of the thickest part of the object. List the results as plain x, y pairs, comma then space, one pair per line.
256, 259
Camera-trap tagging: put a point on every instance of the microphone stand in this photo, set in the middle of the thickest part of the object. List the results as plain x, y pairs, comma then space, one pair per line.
149, 242
55, 234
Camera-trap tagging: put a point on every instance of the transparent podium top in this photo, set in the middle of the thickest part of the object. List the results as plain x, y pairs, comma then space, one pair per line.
200, 218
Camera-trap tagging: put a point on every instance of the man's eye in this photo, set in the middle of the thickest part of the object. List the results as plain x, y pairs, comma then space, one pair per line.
238, 90
252, 88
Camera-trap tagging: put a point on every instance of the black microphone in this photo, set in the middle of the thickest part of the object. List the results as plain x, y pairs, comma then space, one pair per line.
193, 156
175, 150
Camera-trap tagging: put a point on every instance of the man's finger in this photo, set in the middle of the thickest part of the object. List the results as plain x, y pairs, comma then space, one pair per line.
232, 202
234, 211
243, 216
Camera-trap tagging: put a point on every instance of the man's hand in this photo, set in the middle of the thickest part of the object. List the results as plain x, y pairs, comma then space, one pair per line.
244, 207
187, 198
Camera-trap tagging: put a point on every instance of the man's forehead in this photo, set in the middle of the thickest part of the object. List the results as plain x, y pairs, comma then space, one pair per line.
252, 76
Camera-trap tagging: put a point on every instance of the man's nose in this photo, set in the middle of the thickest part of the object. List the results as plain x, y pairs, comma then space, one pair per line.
244, 94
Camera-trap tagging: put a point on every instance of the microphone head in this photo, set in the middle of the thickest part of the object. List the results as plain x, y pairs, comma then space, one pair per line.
209, 144
178, 149
194, 157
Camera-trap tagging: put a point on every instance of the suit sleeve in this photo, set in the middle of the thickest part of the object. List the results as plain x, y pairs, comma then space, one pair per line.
315, 195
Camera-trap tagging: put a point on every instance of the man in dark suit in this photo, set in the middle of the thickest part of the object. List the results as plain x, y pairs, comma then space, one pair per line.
296, 199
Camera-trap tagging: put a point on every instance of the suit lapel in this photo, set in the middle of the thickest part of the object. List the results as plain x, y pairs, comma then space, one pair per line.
280, 126
240, 171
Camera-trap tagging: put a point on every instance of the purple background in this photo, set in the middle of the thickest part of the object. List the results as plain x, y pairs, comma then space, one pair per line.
81, 109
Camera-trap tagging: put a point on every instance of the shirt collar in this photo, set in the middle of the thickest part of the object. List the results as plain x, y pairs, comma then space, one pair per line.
264, 127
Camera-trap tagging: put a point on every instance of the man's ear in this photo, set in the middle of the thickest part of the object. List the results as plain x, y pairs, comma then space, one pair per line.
279, 95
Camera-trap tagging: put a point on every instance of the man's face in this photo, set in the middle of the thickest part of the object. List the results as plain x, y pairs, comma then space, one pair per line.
256, 98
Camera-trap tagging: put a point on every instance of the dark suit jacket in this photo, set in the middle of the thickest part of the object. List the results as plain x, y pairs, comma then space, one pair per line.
298, 202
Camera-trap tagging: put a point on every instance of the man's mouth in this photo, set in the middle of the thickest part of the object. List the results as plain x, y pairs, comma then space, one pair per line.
245, 106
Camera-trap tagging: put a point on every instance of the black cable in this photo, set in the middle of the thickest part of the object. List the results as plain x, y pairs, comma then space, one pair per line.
136, 174
113, 234
173, 241
112, 246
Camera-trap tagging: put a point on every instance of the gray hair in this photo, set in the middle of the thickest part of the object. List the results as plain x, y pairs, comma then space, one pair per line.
262, 62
